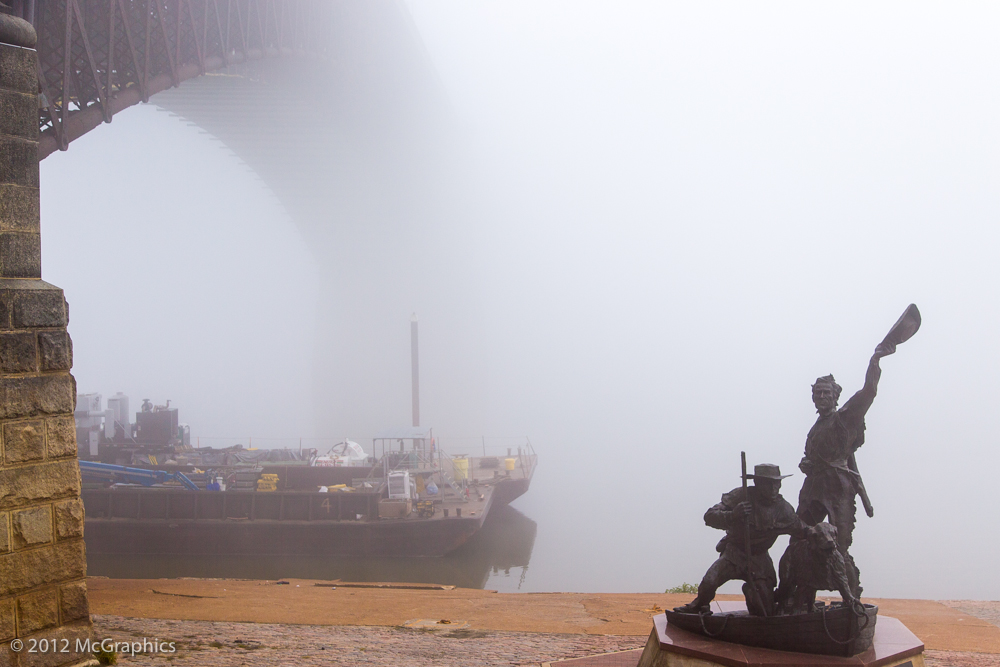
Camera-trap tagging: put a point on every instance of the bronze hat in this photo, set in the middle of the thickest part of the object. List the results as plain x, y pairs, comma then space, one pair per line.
767, 471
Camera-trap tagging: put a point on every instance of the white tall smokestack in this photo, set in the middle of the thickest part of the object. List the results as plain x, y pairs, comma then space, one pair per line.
415, 369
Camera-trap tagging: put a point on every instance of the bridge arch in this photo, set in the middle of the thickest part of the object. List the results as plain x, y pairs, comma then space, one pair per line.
334, 104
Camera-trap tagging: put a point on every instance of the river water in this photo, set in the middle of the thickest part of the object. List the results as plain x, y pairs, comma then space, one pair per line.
497, 557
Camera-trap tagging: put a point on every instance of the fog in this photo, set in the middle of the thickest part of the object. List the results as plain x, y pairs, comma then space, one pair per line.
644, 231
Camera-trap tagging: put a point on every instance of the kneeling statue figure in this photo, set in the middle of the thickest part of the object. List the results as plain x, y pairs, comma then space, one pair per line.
753, 516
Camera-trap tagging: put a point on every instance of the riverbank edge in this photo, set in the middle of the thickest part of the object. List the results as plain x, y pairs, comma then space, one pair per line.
942, 625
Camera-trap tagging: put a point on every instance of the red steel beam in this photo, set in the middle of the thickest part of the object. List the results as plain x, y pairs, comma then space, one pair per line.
282, 26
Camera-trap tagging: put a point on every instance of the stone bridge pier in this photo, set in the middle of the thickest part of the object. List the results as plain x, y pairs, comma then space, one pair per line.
43, 593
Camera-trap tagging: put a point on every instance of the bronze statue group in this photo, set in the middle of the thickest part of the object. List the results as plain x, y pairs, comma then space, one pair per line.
821, 528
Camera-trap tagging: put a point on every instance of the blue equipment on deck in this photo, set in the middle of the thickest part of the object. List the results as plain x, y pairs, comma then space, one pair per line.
106, 472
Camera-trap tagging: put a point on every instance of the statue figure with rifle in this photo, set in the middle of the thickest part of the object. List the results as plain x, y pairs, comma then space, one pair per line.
832, 479
817, 559
753, 518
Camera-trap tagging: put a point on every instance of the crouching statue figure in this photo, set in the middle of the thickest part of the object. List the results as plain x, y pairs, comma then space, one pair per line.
754, 515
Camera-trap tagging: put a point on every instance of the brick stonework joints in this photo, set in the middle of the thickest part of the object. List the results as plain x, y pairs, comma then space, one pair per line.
69, 519
17, 70
31, 304
18, 352
19, 209
60, 437
4, 532
34, 484
21, 254
20, 241
32, 527
16, 112
8, 623
43, 591
22, 397
24, 441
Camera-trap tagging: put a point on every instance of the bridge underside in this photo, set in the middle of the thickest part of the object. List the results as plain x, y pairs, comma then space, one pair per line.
362, 152
350, 131
99, 57
340, 113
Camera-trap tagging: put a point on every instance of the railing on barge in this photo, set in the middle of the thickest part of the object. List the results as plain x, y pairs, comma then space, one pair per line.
481, 448
144, 504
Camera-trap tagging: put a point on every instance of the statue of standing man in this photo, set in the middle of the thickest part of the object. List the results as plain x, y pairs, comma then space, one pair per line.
832, 480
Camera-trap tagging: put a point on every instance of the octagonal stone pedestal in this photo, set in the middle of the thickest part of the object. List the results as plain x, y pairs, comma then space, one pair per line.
668, 646
894, 646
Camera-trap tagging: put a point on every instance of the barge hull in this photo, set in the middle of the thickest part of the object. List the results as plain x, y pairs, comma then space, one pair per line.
161, 521
410, 538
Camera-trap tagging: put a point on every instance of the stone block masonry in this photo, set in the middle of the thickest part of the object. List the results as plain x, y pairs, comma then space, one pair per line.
43, 590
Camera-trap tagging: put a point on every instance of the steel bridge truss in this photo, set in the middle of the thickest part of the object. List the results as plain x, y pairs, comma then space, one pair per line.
98, 57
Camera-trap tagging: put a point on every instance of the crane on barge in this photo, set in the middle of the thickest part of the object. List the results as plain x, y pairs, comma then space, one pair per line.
92, 471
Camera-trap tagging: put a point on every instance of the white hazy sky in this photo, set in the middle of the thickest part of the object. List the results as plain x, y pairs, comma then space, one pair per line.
169, 265
717, 203
686, 213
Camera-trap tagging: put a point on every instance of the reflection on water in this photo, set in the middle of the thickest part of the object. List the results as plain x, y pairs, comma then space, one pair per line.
497, 555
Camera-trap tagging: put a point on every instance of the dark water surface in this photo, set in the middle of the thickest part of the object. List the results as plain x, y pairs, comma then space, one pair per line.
496, 557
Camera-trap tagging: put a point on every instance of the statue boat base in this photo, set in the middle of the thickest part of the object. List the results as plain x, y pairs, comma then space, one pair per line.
829, 630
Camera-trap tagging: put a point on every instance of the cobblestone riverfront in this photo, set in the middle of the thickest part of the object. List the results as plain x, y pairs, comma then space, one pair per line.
229, 622
960, 659
212, 644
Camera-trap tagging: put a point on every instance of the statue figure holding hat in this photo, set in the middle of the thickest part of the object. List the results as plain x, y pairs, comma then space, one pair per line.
753, 518
832, 479
817, 557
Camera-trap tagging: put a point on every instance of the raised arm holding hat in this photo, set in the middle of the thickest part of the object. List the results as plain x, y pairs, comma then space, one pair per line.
832, 479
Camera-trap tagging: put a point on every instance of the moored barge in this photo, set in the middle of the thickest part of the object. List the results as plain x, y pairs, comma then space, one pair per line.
414, 502
137, 520
409, 499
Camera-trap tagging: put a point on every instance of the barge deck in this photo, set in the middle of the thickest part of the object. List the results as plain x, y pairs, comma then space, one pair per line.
125, 519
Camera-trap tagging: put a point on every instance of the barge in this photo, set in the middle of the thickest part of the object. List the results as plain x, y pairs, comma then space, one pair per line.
414, 500
147, 490
169, 521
